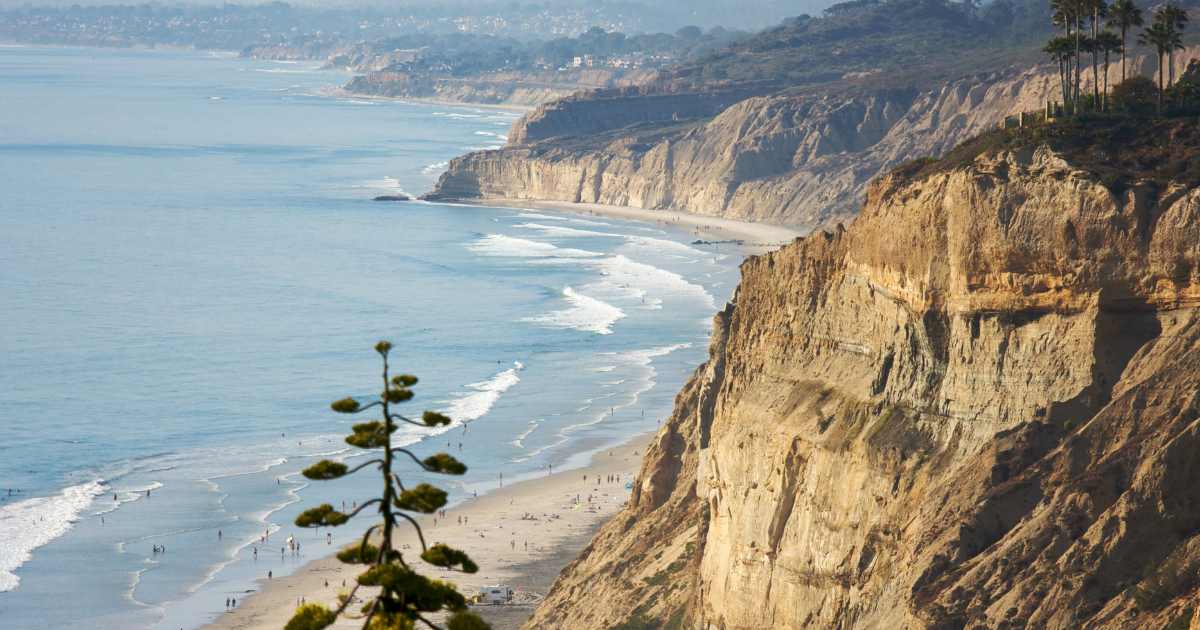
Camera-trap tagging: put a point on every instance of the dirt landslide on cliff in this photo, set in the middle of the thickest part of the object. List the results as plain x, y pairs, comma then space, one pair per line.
978, 406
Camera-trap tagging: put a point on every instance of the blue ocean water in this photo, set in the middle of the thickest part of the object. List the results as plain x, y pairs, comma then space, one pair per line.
191, 268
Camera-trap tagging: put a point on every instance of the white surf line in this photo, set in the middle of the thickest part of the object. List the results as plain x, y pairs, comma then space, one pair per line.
32, 523
584, 313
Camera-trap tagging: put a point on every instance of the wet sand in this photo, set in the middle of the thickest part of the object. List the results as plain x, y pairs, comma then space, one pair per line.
757, 237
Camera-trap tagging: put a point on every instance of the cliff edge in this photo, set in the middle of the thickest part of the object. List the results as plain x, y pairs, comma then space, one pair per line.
978, 406
802, 160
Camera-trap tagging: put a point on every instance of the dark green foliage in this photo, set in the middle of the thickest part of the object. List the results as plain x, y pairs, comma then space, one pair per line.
345, 405
404, 380
359, 554
897, 44
1118, 149
445, 464
433, 419
311, 617
1135, 95
424, 498
404, 595
398, 394
368, 435
449, 557
416, 592
466, 621
325, 470
321, 516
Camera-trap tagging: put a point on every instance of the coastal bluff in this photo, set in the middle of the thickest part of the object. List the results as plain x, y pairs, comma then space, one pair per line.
976, 406
800, 157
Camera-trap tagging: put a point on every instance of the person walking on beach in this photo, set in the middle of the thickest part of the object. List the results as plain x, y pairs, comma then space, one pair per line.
268, 575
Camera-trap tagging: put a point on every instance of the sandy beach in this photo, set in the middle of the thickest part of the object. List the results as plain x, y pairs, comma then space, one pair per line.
755, 236
339, 92
521, 535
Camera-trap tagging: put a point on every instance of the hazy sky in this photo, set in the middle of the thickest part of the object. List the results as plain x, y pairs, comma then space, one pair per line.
801, 6
664, 14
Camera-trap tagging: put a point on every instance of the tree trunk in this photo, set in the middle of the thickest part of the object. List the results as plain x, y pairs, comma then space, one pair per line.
1105, 107
1160, 81
1122, 54
1062, 78
1095, 57
1075, 90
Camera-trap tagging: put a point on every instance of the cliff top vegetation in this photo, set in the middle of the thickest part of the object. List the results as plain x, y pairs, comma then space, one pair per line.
880, 42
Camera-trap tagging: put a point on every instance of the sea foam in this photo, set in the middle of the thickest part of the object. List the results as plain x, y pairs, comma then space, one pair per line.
584, 313
475, 404
29, 524
642, 280
513, 247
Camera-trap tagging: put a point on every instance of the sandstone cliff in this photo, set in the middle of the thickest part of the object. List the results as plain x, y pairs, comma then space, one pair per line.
494, 88
978, 406
799, 157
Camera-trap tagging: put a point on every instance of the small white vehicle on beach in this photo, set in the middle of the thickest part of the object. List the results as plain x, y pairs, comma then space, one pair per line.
494, 595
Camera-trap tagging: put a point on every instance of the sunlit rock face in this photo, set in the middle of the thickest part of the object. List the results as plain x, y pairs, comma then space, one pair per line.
802, 160
975, 407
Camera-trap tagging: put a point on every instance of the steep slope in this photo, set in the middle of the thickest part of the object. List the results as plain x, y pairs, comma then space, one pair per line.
977, 406
792, 151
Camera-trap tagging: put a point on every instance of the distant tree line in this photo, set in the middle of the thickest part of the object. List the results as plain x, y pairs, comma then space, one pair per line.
1091, 32
466, 53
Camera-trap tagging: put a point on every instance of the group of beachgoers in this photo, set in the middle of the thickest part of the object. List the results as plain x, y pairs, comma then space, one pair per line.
607, 479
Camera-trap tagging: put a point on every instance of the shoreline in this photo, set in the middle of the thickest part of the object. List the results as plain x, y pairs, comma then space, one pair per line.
759, 237
340, 92
541, 513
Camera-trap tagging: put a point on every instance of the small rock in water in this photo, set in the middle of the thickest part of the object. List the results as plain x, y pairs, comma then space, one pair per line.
393, 198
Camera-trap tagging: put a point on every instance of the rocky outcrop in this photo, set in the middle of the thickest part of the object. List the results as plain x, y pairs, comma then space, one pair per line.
749, 152
978, 406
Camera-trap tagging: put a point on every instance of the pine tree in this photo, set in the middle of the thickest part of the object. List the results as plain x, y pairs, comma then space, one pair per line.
405, 596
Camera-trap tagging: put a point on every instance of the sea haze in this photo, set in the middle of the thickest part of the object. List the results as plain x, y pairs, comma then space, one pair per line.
190, 270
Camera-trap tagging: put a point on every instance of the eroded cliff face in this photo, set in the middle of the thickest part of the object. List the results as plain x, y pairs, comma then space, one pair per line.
745, 152
976, 407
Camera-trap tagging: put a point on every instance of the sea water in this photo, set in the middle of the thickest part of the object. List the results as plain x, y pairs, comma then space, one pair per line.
192, 268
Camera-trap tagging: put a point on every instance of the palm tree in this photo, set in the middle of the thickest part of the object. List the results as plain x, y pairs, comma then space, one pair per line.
1160, 35
1059, 49
1177, 18
1068, 14
1124, 15
1096, 9
1108, 42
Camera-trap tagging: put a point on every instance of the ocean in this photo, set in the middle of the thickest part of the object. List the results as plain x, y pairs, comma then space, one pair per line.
192, 268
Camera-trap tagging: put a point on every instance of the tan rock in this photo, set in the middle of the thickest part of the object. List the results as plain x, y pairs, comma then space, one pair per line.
799, 159
978, 406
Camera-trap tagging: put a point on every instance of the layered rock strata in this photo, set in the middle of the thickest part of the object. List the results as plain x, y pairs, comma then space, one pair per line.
978, 406
755, 151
